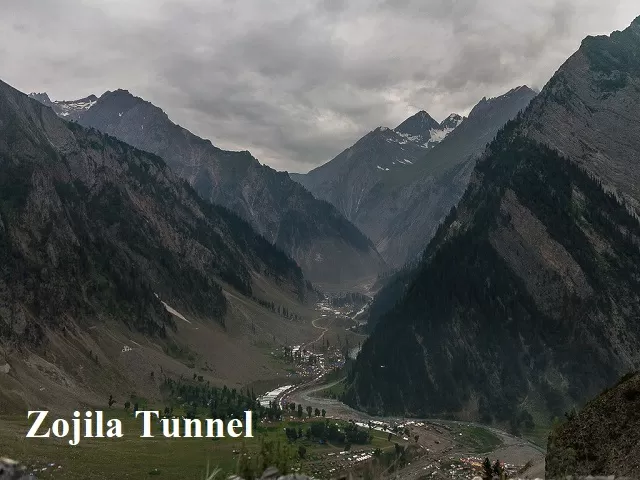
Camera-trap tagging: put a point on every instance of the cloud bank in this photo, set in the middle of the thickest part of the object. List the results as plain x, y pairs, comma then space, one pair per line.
296, 82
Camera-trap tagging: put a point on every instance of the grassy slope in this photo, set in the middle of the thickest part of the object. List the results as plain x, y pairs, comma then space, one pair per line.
136, 458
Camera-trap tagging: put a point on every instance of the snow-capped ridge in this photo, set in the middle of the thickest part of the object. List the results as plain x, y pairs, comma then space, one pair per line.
423, 130
452, 121
66, 108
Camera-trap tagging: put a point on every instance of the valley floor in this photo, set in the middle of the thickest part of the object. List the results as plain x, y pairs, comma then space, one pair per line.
450, 449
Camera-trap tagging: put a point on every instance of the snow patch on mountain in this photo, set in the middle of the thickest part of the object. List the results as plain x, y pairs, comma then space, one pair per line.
82, 105
411, 130
436, 136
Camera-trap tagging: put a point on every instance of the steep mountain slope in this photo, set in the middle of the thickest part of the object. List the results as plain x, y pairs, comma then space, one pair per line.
603, 438
327, 246
347, 180
595, 92
527, 299
398, 185
97, 236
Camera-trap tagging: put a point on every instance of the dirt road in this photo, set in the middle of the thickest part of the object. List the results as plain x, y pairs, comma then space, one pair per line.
324, 330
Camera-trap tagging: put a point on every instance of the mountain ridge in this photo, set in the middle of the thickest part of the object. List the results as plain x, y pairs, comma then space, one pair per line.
526, 298
396, 190
309, 230
97, 239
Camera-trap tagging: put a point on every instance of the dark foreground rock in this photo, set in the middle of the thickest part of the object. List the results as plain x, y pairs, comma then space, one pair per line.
12, 470
603, 438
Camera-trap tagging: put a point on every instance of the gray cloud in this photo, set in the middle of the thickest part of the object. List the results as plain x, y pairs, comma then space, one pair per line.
296, 82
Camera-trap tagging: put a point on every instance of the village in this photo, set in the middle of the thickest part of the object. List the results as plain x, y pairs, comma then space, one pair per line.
398, 447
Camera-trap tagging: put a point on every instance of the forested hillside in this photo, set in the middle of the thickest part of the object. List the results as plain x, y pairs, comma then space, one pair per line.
92, 227
514, 301
527, 300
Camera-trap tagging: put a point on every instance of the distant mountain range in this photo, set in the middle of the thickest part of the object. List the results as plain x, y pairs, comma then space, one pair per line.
330, 250
398, 185
526, 302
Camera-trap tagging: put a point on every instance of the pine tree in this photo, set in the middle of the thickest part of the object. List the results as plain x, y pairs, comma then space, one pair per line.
487, 470
498, 469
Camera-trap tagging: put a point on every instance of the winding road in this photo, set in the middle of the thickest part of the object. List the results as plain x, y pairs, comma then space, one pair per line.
514, 450
438, 442
324, 330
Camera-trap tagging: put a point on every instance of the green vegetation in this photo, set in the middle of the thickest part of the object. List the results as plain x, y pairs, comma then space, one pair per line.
159, 457
477, 439
335, 391
352, 299
201, 399
331, 432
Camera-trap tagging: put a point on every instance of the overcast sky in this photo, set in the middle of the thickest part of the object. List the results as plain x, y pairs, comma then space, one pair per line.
295, 82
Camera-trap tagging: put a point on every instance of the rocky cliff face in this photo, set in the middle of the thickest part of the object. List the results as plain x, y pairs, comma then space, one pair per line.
398, 185
328, 247
526, 300
589, 111
603, 438
93, 228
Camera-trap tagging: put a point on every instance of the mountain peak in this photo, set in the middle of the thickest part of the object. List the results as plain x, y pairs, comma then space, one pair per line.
42, 98
119, 91
525, 89
451, 122
417, 124
614, 57
484, 105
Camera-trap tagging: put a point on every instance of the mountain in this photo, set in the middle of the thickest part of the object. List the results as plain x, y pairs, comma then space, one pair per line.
425, 131
329, 249
526, 301
398, 185
602, 439
97, 239
70, 110
450, 123
595, 92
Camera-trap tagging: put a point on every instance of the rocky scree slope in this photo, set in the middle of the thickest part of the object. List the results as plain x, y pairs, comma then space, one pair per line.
328, 247
398, 185
94, 229
527, 299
